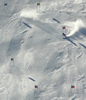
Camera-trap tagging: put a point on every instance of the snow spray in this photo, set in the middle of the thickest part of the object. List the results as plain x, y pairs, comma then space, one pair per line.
73, 27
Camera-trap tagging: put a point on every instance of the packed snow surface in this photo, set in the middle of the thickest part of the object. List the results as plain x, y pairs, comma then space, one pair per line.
36, 61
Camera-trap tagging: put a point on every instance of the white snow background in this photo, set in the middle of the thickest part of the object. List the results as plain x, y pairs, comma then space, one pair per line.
32, 36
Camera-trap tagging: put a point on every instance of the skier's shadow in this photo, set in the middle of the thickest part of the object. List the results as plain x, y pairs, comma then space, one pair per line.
71, 41
82, 45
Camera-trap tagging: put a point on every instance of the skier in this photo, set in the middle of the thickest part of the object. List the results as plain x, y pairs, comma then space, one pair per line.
64, 35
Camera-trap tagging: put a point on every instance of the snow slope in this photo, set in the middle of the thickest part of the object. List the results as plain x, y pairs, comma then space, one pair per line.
32, 36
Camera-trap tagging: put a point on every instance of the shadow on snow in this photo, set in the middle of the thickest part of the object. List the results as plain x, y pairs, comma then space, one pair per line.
82, 45
27, 25
56, 20
71, 41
